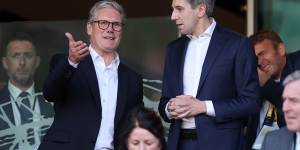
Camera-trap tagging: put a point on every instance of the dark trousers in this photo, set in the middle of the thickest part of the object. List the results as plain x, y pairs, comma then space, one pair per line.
188, 144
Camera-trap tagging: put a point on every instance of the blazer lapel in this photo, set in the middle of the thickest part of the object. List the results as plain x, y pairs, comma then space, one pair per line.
5, 98
182, 52
215, 46
122, 90
287, 140
87, 66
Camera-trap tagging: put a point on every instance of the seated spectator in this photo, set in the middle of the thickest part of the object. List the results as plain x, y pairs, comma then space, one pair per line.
274, 64
287, 138
143, 130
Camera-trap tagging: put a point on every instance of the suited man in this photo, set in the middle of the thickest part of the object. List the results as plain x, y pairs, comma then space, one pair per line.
273, 66
288, 137
91, 89
210, 81
20, 63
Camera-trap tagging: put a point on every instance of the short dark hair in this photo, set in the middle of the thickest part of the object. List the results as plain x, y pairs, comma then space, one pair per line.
208, 3
144, 118
20, 36
266, 34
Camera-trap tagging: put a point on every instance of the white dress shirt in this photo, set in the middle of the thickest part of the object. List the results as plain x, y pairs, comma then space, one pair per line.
34, 107
263, 113
194, 59
14, 93
107, 77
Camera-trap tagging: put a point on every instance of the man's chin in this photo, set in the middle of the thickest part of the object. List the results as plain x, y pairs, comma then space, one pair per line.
292, 125
182, 32
23, 80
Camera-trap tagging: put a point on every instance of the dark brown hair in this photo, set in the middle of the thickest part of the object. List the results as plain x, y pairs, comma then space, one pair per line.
144, 118
269, 35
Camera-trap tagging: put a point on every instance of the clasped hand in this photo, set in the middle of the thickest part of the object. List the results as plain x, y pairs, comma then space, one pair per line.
185, 106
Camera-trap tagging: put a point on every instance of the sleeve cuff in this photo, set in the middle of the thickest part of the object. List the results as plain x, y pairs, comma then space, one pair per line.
72, 64
209, 108
167, 112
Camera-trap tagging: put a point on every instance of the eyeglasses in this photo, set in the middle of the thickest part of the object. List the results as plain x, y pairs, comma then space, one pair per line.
104, 24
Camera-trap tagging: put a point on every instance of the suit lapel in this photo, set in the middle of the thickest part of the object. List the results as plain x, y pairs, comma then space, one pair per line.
4, 98
287, 140
89, 72
215, 46
122, 90
182, 52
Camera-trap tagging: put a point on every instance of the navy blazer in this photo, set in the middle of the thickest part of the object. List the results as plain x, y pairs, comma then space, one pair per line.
77, 104
228, 78
272, 91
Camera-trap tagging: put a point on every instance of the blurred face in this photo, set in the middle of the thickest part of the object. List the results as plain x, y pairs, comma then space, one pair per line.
185, 17
291, 105
105, 40
141, 139
20, 63
270, 60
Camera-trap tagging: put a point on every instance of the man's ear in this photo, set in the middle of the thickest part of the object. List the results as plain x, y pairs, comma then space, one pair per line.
201, 10
89, 28
37, 61
4, 63
281, 49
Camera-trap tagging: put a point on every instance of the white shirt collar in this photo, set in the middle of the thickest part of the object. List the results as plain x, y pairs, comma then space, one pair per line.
297, 140
15, 91
95, 56
208, 32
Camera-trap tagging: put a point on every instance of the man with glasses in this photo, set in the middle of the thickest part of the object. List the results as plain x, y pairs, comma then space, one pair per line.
22, 107
91, 89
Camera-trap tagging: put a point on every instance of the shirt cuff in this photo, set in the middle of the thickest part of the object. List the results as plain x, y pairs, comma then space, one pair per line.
72, 64
210, 110
167, 112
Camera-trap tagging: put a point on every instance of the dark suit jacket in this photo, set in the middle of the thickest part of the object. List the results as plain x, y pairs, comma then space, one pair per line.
272, 91
228, 78
77, 104
46, 110
281, 139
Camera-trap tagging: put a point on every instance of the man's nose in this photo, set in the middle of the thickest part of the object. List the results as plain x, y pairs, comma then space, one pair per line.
174, 15
22, 60
259, 61
110, 28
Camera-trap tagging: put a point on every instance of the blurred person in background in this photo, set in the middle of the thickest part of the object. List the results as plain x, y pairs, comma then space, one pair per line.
20, 101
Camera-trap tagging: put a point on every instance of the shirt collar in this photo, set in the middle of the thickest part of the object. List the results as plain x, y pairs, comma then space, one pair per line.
15, 91
95, 57
208, 32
